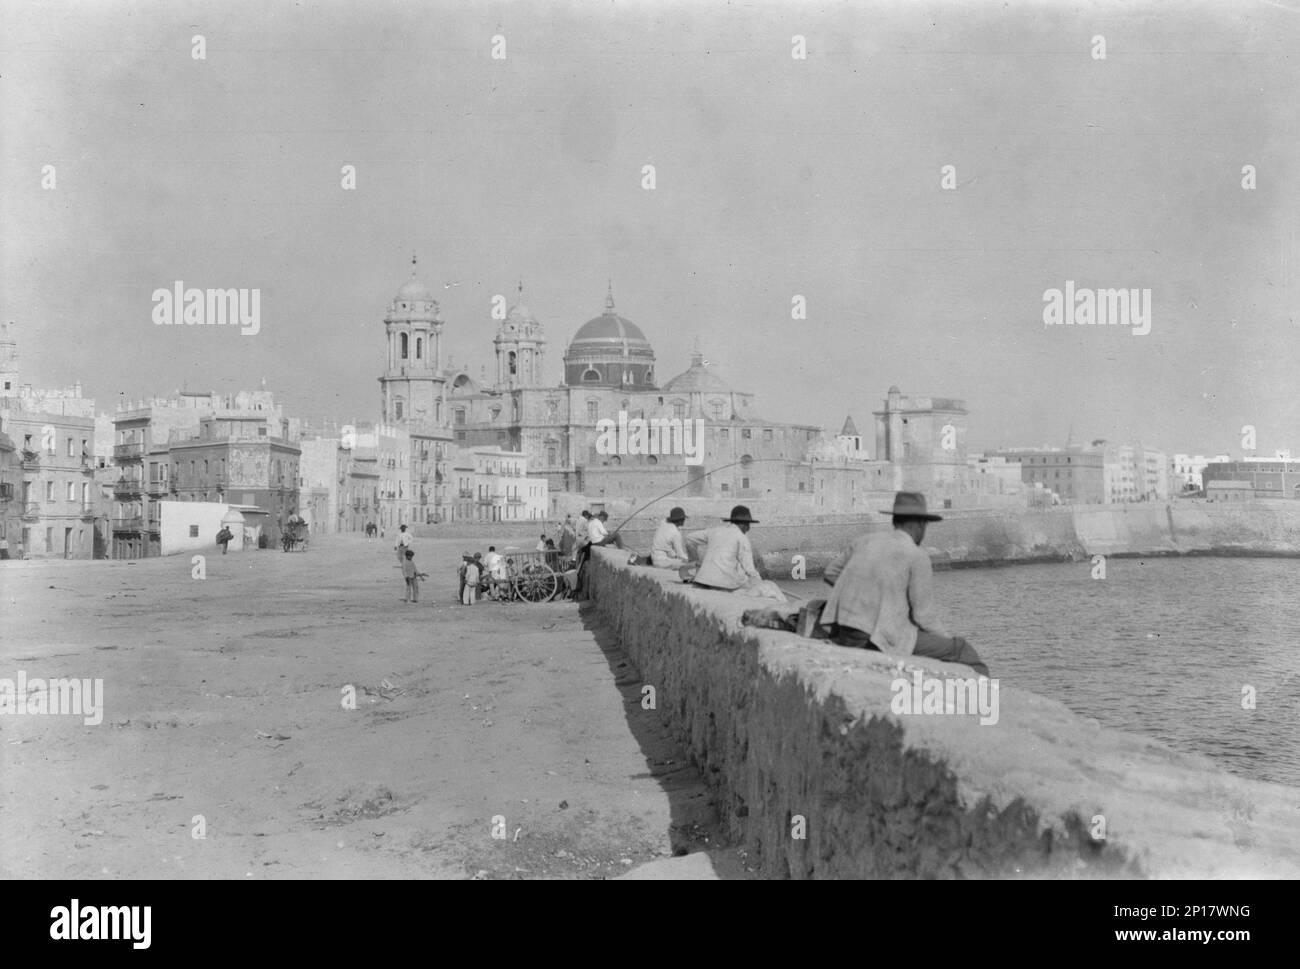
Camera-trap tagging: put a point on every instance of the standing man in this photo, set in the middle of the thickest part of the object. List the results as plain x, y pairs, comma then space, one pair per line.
404, 541
568, 535
728, 560
667, 551
883, 597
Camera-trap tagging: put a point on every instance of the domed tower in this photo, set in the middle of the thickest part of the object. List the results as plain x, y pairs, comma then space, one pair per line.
520, 346
412, 384
610, 351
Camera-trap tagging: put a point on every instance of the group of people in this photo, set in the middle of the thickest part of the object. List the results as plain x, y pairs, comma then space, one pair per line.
882, 595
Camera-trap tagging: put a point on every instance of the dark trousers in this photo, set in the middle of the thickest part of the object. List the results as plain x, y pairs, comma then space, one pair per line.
949, 649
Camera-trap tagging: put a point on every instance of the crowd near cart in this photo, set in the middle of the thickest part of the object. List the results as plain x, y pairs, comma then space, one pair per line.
295, 534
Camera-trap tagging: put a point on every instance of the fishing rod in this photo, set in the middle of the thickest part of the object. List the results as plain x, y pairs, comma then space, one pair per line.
746, 461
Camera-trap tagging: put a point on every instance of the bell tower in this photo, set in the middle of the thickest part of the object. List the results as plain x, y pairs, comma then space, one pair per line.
412, 387
520, 346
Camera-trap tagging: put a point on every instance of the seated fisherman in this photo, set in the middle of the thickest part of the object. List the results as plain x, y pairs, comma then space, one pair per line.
668, 551
883, 595
728, 559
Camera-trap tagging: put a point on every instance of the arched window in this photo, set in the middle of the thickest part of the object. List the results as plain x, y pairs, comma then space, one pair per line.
512, 362
403, 344
419, 348
590, 375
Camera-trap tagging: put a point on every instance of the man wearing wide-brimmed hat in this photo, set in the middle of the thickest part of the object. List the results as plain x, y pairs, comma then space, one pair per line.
883, 597
667, 550
728, 559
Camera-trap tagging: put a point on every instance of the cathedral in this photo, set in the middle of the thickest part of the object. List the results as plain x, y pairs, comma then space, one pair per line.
609, 373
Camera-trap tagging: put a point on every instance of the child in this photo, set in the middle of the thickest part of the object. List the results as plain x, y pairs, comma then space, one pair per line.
471, 582
412, 577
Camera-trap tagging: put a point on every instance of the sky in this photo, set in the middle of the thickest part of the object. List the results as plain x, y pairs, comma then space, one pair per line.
775, 177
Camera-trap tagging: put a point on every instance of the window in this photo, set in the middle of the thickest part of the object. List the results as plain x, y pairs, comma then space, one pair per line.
72, 488
726, 487
679, 408
69, 447
403, 344
744, 482
593, 410
512, 363
49, 491
397, 409
767, 434
194, 531
724, 433
746, 433
419, 348
460, 420
715, 408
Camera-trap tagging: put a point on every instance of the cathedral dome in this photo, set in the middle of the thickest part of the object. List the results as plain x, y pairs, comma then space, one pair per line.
697, 378
610, 350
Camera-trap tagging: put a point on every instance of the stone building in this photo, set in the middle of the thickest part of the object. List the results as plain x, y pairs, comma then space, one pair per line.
145, 432
1074, 475
239, 458
493, 485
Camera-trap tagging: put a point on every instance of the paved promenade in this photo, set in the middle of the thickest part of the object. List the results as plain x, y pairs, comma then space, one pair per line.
223, 714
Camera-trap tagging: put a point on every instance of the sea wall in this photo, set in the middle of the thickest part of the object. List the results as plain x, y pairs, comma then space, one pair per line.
1041, 535
818, 775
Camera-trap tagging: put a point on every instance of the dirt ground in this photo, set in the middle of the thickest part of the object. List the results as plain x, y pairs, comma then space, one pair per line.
224, 715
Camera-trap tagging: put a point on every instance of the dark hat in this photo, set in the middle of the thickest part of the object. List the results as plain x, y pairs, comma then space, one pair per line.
677, 515
911, 504
740, 516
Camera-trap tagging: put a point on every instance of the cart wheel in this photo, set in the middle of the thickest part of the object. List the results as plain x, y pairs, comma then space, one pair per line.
537, 583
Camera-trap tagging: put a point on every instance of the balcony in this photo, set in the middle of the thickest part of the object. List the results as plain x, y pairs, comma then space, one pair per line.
466, 493
31, 461
128, 452
126, 487
87, 466
31, 511
132, 524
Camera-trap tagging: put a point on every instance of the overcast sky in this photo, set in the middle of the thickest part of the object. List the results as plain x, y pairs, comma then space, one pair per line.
775, 177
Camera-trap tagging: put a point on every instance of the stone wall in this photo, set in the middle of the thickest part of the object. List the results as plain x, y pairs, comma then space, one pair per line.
789, 731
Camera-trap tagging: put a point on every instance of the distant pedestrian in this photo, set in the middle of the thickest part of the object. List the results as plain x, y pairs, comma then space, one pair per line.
541, 543
404, 542
412, 577
460, 574
224, 538
471, 582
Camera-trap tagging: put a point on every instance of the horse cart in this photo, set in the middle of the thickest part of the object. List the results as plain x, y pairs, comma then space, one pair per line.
530, 576
295, 535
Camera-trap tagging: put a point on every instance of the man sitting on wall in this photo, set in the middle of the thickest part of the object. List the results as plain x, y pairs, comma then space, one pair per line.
883, 595
667, 551
727, 562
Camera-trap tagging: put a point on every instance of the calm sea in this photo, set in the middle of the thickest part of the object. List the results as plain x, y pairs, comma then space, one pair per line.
1161, 647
